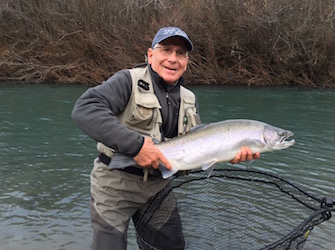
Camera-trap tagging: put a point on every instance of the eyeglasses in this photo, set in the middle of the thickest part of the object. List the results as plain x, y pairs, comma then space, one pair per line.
167, 51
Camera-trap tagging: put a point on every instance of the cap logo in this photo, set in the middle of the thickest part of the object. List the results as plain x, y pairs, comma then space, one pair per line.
174, 31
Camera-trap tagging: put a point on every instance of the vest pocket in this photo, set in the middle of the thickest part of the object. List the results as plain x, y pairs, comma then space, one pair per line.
188, 116
144, 112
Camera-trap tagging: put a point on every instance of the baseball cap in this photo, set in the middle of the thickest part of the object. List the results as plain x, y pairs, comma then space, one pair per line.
167, 32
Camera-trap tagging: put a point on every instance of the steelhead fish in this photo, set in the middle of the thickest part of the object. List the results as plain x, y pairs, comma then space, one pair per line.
215, 142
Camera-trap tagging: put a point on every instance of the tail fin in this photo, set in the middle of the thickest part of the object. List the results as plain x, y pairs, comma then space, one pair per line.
167, 173
123, 161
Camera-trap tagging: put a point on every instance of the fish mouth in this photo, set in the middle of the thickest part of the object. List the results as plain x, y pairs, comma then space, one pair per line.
284, 138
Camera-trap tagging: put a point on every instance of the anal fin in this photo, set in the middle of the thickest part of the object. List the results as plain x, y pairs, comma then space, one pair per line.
208, 168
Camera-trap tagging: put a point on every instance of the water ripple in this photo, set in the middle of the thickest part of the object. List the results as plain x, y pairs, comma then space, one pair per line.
46, 161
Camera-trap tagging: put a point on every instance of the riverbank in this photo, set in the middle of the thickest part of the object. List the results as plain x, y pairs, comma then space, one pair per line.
270, 42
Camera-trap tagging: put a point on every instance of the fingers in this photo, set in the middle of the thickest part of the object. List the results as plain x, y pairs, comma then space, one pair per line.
151, 156
164, 161
257, 155
237, 158
248, 155
245, 154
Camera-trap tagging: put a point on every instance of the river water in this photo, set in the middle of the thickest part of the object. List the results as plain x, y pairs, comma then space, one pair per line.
45, 160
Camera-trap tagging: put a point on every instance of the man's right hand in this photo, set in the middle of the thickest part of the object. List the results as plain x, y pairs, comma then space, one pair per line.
151, 156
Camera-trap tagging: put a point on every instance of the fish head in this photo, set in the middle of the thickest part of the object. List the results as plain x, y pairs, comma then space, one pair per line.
277, 138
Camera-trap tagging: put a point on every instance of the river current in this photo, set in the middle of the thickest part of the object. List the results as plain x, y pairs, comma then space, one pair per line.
45, 161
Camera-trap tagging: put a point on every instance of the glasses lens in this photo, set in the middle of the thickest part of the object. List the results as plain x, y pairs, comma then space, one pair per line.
167, 51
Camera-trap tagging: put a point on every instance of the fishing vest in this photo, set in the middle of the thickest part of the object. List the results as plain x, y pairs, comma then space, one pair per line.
142, 112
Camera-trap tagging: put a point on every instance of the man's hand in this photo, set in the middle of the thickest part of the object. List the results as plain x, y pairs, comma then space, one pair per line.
245, 155
151, 156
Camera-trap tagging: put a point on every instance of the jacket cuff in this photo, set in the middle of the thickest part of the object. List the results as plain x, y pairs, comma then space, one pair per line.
140, 147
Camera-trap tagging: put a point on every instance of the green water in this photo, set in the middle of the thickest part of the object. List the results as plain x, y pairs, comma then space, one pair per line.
45, 160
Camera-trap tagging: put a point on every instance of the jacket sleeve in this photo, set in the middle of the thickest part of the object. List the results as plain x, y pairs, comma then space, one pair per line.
95, 114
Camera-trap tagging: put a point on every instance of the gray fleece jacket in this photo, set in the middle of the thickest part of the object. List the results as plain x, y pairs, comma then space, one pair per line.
95, 111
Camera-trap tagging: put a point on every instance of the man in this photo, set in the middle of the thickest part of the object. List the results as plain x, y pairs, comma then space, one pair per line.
124, 115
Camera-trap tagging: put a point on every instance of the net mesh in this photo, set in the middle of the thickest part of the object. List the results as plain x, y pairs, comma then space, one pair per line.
233, 209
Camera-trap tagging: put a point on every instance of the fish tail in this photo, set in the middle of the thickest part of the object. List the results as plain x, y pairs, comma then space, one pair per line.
167, 173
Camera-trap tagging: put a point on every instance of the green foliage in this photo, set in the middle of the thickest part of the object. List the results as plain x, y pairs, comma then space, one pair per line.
269, 42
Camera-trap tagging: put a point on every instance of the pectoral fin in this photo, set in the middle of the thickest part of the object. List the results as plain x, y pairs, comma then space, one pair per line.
208, 168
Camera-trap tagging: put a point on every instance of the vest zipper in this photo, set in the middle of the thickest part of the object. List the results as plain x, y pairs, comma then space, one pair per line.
167, 98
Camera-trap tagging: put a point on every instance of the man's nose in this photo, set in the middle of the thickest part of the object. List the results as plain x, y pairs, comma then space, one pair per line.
173, 56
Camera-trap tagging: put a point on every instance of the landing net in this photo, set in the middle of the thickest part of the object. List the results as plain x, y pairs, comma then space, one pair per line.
233, 209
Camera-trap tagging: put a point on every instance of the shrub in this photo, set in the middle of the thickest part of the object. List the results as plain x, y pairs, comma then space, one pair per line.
269, 42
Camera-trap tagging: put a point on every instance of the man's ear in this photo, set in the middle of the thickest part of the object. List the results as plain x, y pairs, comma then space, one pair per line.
150, 53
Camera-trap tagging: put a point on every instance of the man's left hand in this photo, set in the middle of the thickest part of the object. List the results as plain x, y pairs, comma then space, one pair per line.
245, 155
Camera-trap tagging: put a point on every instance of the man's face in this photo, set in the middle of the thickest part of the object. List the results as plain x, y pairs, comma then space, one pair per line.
169, 59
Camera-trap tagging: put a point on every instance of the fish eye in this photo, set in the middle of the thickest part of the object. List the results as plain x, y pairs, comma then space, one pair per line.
282, 133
